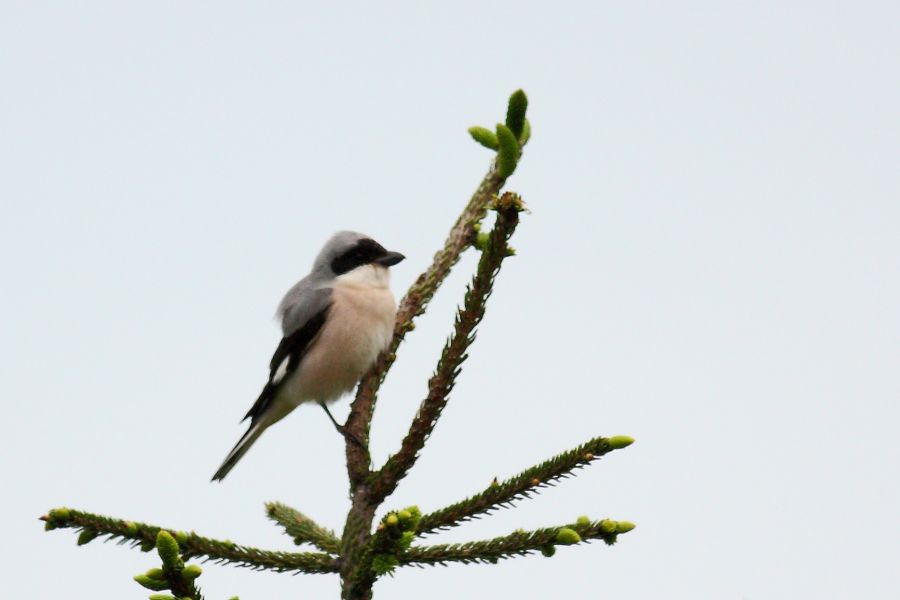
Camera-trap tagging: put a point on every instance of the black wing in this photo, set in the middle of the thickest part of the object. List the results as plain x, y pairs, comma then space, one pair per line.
291, 348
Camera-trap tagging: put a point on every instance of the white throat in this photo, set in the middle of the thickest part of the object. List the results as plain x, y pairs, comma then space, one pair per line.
366, 276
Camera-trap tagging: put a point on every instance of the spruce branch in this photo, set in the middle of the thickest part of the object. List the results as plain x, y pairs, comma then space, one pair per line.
518, 543
302, 528
468, 317
358, 570
523, 485
413, 304
421, 292
192, 545
356, 578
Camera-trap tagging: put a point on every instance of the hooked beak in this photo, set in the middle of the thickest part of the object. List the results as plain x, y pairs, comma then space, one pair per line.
390, 259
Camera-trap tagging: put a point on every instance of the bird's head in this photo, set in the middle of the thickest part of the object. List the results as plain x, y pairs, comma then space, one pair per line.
349, 250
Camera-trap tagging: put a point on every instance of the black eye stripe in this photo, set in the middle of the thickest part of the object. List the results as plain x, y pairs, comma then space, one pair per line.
364, 252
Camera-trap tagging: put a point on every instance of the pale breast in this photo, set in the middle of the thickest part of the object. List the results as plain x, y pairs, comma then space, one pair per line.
359, 326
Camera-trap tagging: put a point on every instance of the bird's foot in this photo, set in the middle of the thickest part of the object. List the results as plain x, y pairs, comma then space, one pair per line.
348, 435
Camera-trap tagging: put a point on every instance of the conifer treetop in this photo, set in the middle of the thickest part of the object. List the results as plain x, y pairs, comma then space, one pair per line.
364, 550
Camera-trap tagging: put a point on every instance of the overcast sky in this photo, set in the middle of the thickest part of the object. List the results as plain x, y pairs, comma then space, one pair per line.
710, 266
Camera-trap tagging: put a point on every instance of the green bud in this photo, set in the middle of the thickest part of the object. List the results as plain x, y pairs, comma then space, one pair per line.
526, 133
583, 520
229, 544
617, 442
162, 597
168, 550
484, 136
515, 112
152, 584
131, 528
391, 520
508, 153
608, 526
234, 598
510, 251
60, 514
482, 239
191, 572
548, 550
49, 525
181, 537
155, 573
624, 526
567, 536
404, 515
86, 536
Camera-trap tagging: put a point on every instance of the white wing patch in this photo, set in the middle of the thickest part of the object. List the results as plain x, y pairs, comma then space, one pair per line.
280, 371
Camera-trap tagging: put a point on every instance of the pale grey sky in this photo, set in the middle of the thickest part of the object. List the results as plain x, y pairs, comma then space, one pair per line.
711, 266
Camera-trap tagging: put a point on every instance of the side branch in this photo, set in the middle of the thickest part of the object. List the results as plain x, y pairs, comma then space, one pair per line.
192, 545
413, 304
302, 528
523, 485
518, 543
494, 250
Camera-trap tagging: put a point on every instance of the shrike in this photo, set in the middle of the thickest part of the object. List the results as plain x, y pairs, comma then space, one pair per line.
335, 321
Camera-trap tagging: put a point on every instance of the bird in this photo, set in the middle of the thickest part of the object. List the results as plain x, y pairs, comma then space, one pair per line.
336, 321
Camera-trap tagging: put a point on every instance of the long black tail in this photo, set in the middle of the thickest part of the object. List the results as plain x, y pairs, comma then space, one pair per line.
240, 449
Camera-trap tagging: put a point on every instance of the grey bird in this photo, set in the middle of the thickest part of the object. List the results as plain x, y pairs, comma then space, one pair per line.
335, 321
